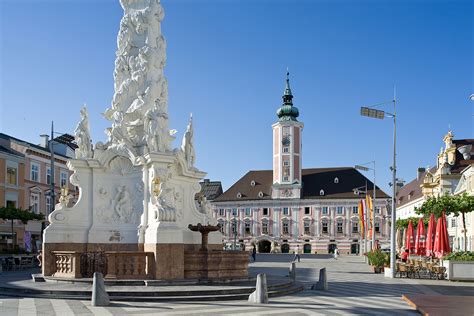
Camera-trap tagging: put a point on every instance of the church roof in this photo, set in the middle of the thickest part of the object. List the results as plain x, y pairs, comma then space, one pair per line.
314, 180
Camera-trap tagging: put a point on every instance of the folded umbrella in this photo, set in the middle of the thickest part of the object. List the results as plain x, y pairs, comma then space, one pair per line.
430, 236
420, 241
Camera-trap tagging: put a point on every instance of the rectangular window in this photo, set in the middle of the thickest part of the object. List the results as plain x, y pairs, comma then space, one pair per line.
247, 212
325, 227
48, 175
234, 228
339, 227
265, 228
377, 210
307, 211
48, 204
307, 230
234, 212
63, 179
11, 204
453, 222
377, 227
12, 176
285, 228
221, 212
286, 179
247, 228
286, 211
265, 211
34, 174
34, 203
325, 210
286, 149
286, 163
340, 210
355, 227
355, 210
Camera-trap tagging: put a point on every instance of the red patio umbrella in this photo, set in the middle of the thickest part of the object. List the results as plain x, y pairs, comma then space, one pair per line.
430, 235
410, 238
420, 246
441, 243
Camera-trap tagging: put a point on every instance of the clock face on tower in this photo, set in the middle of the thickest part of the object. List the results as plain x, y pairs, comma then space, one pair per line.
286, 140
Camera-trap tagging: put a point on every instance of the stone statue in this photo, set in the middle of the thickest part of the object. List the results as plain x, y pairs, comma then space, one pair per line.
187, 144
82, 136
123, 204
141, 90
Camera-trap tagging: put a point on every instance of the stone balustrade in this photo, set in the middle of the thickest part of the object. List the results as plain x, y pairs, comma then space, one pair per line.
67, 264
129, 265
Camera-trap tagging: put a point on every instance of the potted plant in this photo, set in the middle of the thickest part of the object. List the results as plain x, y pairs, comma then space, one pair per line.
377, 260
459, 266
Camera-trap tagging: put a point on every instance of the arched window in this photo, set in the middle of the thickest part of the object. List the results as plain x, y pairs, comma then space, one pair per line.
321, 192
336, 180
307, 227
285, 227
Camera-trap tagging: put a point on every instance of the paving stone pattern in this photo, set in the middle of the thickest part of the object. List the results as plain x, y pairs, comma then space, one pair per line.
353, 289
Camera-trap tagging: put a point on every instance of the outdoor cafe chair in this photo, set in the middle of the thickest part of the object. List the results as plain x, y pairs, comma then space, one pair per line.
402, 268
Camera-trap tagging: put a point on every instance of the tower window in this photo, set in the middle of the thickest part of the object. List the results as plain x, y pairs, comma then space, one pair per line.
286, 149
286, 163
265, 211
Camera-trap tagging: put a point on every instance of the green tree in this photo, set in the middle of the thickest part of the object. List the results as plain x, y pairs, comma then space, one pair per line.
11, 214
403, 223
450, 204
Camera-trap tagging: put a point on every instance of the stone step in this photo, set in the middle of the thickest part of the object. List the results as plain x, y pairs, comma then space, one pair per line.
125, 296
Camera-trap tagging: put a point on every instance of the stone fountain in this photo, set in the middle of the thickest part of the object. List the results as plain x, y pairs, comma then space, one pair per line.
136, 192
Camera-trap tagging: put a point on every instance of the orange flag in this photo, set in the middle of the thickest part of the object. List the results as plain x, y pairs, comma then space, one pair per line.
362, 218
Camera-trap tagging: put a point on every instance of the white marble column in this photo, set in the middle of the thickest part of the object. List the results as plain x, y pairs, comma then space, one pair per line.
255, 223
317, 221
332, 222
348, 211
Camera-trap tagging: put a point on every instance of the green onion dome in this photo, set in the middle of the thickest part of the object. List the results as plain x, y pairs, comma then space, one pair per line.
287, 112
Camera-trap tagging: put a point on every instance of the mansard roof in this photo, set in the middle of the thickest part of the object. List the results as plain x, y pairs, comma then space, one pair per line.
314, 180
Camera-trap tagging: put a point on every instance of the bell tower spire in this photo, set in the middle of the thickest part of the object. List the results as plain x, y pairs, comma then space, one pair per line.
287, 148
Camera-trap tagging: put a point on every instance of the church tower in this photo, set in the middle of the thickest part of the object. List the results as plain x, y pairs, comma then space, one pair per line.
287, 149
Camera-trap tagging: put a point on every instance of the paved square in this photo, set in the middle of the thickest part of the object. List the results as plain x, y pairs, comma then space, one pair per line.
353, 289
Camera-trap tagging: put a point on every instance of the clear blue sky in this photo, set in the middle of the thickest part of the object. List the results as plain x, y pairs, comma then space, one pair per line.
227, 62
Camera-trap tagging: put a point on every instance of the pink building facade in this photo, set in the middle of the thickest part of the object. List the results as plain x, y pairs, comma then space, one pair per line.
290, 207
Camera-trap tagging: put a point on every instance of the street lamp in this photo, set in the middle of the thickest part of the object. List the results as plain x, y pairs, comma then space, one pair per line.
369, 111
364, 168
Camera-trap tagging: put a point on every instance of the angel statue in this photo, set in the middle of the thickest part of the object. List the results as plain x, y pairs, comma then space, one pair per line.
187, 144
82, 136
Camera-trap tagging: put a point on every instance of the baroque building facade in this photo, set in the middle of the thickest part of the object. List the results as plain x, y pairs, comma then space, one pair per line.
289, 208
452, 174
25, 182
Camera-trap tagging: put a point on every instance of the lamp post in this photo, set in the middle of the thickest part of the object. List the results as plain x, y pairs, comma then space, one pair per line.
364, 168
374, 113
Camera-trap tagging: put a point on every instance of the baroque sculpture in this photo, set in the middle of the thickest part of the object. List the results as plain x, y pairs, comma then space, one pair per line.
82, 136
137, 193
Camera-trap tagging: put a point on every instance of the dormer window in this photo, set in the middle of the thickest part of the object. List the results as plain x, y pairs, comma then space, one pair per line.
252, 183
260, 194
321, 192
336, 180
239, 195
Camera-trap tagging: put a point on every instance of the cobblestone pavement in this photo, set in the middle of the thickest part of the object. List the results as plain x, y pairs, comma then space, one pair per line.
353, 289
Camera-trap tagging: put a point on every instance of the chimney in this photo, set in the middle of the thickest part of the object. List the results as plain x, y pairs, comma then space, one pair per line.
44, 142
420, 173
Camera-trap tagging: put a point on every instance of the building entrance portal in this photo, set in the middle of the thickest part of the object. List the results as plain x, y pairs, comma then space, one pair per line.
355, 249
264, 246
285, 248
331, 248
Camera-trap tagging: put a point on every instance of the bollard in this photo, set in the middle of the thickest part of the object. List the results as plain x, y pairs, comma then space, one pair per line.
292, 272
322, 284
260, 295
99, 294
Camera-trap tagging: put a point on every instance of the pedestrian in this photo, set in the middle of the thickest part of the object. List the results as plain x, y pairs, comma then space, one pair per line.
336, 253
405, 255
297, 253
254, 253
